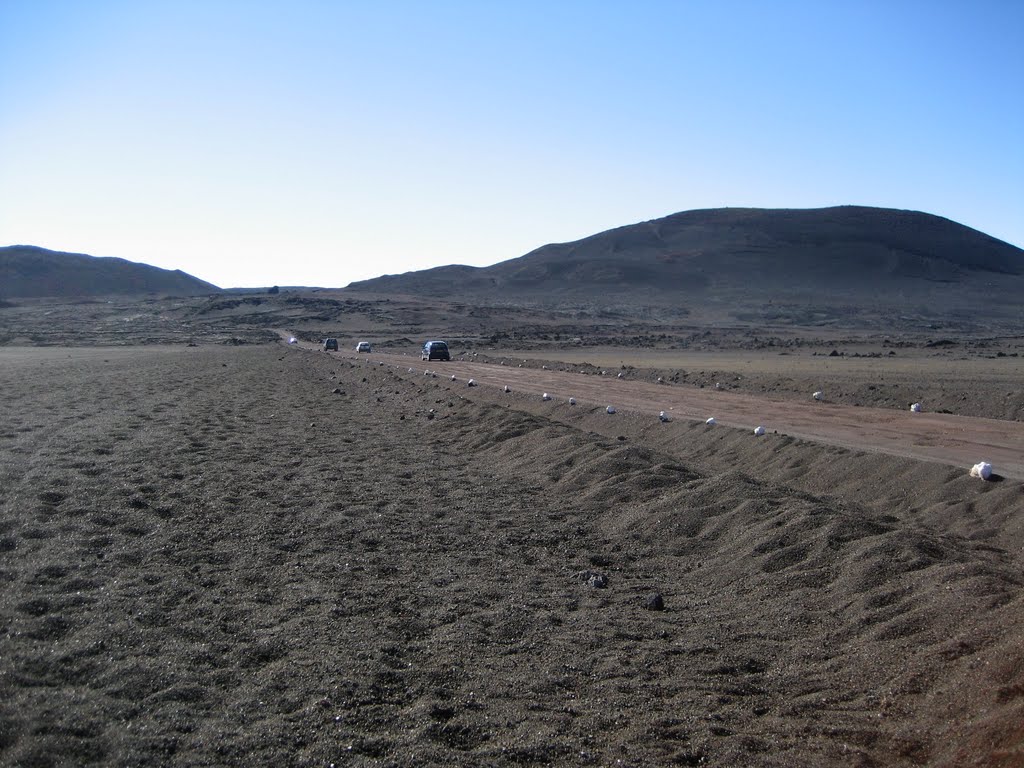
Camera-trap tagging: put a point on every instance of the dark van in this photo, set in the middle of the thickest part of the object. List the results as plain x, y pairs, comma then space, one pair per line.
435, 350
331, 345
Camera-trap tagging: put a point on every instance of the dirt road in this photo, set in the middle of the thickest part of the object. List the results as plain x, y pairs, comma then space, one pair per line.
938, 437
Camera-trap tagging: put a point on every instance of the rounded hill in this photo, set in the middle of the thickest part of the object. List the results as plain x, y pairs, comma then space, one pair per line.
27, 271
852, 256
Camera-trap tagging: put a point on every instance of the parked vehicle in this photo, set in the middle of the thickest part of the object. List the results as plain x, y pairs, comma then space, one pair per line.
331, 345
435, 350
364, 346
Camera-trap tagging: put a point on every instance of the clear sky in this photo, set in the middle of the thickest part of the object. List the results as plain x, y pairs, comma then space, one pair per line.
314, 143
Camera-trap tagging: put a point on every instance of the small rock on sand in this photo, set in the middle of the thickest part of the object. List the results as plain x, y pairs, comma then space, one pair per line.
593, 579
654, 602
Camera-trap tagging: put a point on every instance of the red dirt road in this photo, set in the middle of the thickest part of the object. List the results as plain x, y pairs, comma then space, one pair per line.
944, 438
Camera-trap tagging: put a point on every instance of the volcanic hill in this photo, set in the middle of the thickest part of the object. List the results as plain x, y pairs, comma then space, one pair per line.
797, 261
28, 271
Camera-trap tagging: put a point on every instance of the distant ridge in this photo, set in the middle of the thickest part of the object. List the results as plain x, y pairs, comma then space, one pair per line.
850, 254
27, 271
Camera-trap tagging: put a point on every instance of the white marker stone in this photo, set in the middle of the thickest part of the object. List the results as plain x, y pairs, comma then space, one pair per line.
982, 469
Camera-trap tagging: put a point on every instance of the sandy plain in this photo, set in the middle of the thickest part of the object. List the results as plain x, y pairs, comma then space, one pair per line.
272, 555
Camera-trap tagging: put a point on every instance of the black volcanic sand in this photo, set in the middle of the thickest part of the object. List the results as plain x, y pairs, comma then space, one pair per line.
208, 556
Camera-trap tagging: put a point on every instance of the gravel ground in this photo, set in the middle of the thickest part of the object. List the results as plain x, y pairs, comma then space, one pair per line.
218, 555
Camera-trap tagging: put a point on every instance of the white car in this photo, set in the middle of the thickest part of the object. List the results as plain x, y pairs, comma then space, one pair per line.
364, 346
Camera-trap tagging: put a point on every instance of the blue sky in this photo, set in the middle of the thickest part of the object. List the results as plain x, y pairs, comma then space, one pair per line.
315, 143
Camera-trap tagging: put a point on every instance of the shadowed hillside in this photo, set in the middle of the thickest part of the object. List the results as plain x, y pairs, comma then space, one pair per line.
847, 256
29, 272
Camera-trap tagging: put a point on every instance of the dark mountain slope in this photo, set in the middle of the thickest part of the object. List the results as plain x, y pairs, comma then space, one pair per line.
27, 271
852, 254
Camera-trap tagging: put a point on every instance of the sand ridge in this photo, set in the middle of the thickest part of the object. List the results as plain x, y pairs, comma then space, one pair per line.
943, 437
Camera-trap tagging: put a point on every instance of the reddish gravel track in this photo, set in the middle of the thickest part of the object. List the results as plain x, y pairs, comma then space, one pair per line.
937, 437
